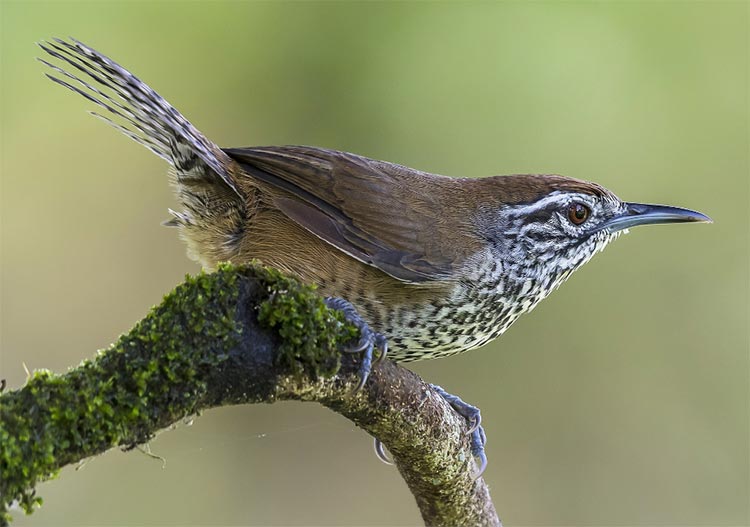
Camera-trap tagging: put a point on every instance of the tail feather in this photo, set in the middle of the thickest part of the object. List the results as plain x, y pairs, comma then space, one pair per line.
146, 116
148, 136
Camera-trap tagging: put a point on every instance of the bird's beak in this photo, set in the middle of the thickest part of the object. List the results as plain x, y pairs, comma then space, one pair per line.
642, 214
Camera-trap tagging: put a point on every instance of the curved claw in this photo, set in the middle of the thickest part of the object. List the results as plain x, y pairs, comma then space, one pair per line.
365, 368
367, 342
478, 440
382, 345
380, 452
362, 343
476, 422
358, 349
482, 459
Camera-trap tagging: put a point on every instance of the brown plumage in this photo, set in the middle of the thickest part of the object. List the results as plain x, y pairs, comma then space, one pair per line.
438, 265
409, 224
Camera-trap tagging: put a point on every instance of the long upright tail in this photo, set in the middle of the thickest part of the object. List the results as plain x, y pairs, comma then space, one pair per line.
204, 175
143, 115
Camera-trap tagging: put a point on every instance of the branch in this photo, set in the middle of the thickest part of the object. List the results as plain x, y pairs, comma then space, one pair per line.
239, 335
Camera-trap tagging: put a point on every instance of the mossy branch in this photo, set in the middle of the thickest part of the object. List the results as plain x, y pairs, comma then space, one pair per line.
239, 335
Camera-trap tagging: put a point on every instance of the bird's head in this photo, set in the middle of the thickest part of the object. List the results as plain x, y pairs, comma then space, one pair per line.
544, 227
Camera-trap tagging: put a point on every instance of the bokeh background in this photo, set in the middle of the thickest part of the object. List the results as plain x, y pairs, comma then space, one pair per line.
623, 399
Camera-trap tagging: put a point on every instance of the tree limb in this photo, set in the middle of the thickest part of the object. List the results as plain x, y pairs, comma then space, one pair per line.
239, 335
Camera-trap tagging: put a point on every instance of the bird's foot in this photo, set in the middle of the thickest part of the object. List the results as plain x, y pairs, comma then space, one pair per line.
368, 342
474, 417
465, 410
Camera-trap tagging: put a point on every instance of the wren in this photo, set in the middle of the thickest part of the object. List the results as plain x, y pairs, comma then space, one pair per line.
434, 265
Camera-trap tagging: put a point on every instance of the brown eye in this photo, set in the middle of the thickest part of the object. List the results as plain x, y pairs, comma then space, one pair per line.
578, 213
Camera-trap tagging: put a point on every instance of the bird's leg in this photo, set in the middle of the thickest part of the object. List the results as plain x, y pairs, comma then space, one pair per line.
474, 417
465, 410
369, 340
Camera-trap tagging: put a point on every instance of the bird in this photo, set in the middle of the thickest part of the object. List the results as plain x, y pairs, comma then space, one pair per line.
427, 266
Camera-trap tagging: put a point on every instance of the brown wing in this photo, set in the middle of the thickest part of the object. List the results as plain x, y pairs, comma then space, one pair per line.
382, 214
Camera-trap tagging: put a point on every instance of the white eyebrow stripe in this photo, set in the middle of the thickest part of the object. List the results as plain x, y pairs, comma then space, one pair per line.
557, 197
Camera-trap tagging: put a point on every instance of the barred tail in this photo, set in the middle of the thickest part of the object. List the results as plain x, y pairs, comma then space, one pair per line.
143, 114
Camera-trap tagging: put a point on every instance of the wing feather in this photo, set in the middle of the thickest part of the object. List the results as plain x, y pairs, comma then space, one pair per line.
382, 214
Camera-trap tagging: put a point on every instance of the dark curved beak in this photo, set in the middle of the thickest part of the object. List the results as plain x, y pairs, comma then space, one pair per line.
642, 214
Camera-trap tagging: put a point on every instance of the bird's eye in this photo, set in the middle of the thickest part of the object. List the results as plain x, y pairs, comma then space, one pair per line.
578, 213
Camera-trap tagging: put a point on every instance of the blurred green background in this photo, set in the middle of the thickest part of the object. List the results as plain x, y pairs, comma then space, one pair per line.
623, 399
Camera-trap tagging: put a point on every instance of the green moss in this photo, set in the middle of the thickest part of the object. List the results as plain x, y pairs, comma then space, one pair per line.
145, 381
150, 378
310, 332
